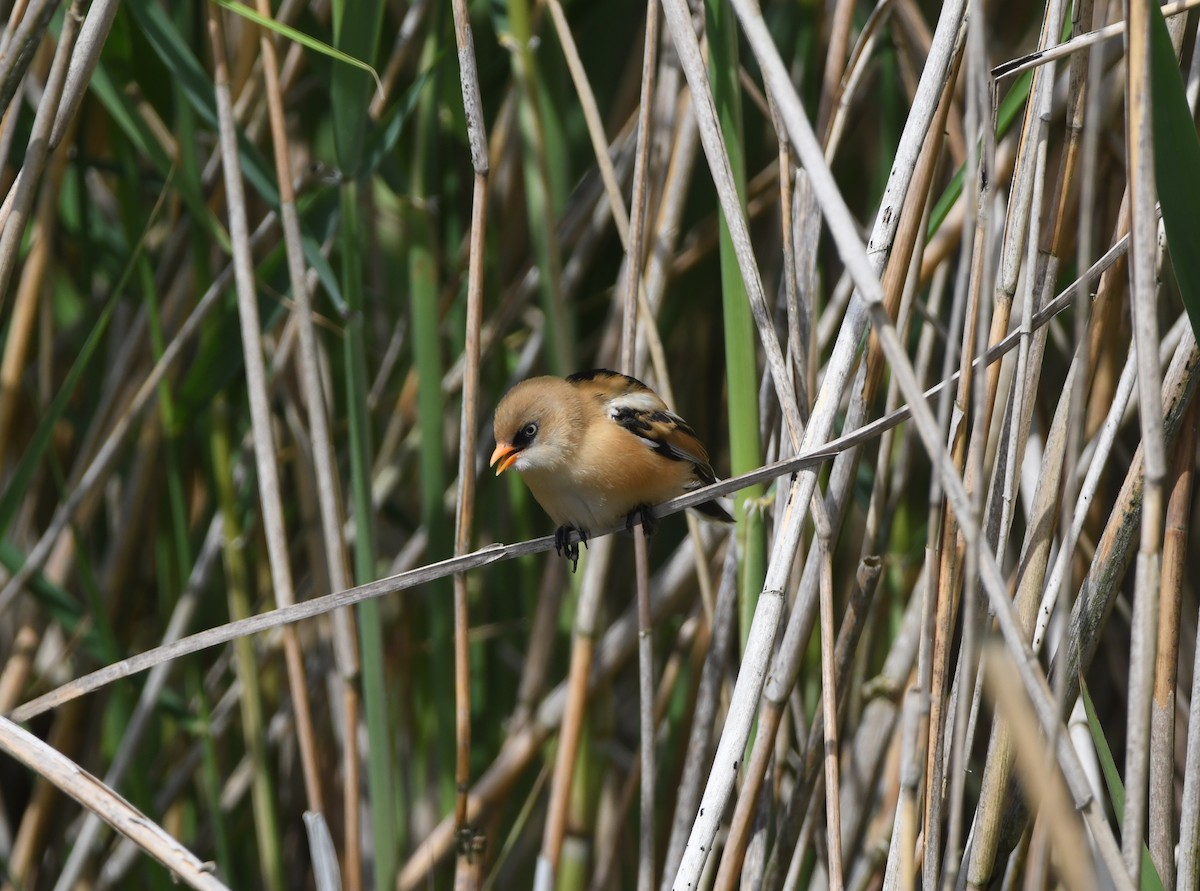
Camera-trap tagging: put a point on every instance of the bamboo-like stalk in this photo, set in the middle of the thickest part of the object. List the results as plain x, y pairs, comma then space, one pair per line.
84, 58
686, 45
33, 831
910, 227
833, 815
1022, 227
1108, 566
861, 60
741, 360
899, 272
901, 863
810, 779
750, 680
583, 645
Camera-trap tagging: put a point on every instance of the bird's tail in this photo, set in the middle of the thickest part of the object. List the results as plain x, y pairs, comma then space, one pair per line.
715, 511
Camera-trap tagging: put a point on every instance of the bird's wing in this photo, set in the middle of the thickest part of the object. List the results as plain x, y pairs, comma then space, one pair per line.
637, 408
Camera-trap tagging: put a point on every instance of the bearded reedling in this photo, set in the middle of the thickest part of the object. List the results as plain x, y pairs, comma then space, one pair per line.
596, 447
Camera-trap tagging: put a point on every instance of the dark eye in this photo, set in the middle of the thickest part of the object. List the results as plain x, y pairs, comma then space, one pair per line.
525, 435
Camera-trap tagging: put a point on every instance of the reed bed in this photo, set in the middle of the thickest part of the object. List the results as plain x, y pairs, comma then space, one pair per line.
924, 278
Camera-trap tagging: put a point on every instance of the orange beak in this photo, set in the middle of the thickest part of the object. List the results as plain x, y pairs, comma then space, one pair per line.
505, 454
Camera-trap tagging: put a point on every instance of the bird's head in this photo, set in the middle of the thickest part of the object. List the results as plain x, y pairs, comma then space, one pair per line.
535, 425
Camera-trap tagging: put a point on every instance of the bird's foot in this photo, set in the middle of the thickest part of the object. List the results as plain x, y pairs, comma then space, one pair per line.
644, 514
567, 548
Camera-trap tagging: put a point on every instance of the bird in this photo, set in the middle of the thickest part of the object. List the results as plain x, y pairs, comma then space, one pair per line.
595, 447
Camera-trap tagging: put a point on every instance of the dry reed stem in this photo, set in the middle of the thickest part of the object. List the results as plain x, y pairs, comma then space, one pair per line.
834, 74
101, 464
688, 48
1143, 294
1014, 430
645, 848
1085, 40
19, 201
700, 734
861, 61
833, 815
50, 764
1044, 784
345, 645
1161, 812
469, 862
1008, 430
859, 266
84, 58
763, 626
810, 779
264, 440
19, 338
617, 645
583, 643
1188, 877
631, 290
694, 638
22, 35
147, 703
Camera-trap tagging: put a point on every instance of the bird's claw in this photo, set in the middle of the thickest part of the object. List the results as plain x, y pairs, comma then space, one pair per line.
567, 548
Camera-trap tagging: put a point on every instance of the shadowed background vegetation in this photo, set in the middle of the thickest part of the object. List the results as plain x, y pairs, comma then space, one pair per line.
266, 270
